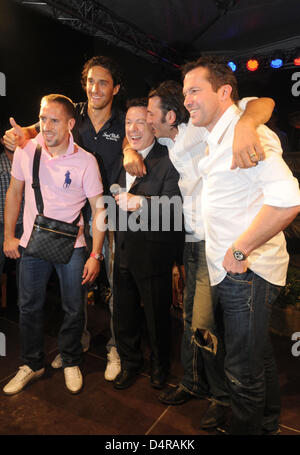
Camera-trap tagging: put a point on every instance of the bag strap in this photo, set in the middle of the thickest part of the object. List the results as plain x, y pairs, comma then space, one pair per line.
36, 183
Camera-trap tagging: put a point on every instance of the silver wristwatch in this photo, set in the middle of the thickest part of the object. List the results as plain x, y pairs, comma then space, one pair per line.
238, 254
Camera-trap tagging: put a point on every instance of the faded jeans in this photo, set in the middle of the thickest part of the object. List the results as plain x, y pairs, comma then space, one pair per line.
250, 367
202, 360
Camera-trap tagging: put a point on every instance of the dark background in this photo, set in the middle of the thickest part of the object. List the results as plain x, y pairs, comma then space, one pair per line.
39, 55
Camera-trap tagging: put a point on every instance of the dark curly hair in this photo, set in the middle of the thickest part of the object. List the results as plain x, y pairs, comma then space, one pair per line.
106, 62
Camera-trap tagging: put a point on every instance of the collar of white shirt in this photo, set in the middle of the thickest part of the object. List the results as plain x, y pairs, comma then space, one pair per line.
145, 152
131, 178
167, 141
215, 136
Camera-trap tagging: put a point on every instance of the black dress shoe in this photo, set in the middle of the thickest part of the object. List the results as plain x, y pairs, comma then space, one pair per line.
175, 396
274, 432
223, 430
158, 378
125, 379
215, 416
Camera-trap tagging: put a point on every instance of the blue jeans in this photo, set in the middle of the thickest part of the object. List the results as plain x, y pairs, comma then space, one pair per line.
34, 276
202, 362
249, 363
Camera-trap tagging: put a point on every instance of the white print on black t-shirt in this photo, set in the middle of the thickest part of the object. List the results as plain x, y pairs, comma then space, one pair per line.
111, 136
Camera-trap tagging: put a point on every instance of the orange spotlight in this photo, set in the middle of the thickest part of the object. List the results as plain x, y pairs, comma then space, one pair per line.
252, 65
297, 61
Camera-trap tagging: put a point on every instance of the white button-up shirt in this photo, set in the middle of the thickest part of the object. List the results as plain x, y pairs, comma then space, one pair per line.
185, 152
131, 178
232, 198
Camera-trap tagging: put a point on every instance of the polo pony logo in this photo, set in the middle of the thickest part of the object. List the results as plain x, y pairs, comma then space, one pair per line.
67, 181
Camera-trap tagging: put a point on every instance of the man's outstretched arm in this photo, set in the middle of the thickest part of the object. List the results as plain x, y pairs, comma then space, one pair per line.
17, 135
268, 222
247, 149
13, 202
133, 161
92, 266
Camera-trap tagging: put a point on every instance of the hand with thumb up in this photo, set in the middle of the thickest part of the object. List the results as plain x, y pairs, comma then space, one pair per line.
15, 136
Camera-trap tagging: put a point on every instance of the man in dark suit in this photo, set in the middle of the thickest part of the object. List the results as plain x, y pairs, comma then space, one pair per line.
147, 246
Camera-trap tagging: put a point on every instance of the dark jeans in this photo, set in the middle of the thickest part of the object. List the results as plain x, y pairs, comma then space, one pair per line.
34, 276
249, 363
203, 367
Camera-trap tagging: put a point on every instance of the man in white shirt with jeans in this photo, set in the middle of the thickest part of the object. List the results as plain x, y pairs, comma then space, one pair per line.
244, 213
201, 355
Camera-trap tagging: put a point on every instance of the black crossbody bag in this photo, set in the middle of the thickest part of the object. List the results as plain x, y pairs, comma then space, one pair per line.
52, 240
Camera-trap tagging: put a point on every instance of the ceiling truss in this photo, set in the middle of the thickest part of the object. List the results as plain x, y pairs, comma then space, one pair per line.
89, 16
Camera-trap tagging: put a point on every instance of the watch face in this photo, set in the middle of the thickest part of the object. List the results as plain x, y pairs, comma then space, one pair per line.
97, 256
239, 256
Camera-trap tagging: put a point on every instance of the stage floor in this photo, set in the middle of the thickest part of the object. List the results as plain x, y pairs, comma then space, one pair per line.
45, 407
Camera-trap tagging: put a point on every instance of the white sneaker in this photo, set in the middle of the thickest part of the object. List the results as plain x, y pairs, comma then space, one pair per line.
113, 366
23, 377
73, 379
85, 340
57, 362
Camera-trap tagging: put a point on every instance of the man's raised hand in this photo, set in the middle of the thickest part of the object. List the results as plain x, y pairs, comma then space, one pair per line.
15, 136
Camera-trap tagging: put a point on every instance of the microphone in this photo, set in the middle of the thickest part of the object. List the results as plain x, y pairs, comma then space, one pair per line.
115, 189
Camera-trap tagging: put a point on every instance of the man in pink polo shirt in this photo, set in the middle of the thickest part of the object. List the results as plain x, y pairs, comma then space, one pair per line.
68, 176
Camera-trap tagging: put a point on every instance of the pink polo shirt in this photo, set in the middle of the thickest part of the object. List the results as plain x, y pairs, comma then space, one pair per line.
66, 181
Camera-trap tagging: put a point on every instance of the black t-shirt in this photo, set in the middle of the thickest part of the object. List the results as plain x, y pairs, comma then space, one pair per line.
106, 145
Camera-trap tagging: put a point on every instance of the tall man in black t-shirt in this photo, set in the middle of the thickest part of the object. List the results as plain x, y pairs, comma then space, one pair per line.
99, 129
99, 124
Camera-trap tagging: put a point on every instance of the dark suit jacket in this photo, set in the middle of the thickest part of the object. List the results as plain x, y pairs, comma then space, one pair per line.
149, 252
